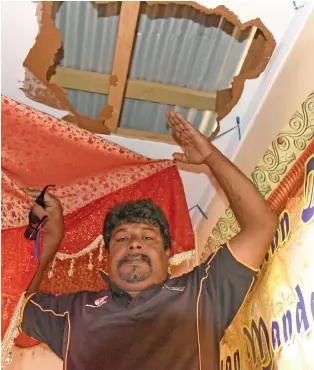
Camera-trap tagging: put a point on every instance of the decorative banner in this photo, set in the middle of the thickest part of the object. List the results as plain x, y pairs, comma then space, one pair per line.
274, 330
91, 175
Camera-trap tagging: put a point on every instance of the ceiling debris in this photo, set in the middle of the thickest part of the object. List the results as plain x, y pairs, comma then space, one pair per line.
117, 66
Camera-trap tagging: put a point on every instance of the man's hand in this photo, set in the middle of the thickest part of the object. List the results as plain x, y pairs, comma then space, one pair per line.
195, 145
53, 227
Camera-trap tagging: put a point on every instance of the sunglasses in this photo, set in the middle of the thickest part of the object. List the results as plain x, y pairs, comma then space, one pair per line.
34, 222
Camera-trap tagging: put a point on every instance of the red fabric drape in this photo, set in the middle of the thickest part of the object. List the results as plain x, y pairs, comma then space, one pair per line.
91, 176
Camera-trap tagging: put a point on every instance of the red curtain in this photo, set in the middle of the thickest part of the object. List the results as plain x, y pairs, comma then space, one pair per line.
91, 175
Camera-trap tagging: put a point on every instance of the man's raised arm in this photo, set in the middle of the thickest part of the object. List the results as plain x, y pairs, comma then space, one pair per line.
257, 221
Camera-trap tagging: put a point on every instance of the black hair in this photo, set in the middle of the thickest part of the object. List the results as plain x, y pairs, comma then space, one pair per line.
139, 211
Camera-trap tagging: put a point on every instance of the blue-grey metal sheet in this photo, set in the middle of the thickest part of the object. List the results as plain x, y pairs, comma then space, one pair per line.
174, 45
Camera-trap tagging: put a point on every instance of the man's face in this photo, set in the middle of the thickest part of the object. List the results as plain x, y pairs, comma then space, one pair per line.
137, 258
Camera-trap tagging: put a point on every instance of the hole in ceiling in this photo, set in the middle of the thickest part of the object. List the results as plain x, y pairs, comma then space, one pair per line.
181, 58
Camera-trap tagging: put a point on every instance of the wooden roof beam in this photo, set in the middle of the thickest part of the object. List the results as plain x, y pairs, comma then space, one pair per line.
121, 63
136, 89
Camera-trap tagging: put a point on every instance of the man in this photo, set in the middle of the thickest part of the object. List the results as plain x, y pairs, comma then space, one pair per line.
146, 320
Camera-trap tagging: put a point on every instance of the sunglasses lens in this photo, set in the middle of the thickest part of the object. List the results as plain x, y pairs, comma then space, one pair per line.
30, 233
33, 218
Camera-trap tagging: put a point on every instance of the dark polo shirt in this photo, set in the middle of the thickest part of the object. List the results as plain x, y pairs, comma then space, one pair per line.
173, 326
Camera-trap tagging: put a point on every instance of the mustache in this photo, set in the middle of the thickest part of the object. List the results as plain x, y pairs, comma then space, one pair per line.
134, 256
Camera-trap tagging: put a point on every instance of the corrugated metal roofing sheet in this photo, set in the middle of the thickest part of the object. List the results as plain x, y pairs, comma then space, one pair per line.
88, 35
174, 44
88, 104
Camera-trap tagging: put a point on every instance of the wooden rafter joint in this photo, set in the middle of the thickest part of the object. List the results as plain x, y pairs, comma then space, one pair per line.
121, 62
136, 89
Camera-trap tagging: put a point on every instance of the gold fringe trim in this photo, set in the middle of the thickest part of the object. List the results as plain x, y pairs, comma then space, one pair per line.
177, 259
12, 332
98, 242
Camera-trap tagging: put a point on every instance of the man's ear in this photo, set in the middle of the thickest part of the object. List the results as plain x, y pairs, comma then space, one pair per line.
168, 252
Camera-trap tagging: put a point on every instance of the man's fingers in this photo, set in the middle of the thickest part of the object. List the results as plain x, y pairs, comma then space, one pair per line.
180, 125
177, 131
184, 124
172, 119
174, 127
180, 157
39, 211
172, 124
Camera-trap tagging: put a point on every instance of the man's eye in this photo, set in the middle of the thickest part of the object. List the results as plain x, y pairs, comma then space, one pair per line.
148, 238
122, 239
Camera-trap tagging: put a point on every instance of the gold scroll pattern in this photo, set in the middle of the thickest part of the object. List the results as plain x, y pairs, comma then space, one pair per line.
285, 149
272, 167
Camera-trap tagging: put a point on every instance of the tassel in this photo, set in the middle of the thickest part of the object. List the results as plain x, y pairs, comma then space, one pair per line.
50, 273
71, 271
100, 256
90, 263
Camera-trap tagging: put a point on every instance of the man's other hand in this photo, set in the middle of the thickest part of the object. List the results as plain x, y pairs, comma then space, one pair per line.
53, 226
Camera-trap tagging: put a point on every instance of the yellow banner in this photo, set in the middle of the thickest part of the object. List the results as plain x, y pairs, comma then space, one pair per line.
274, 330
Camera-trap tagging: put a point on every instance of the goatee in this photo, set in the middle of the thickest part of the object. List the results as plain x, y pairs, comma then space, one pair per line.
135, 275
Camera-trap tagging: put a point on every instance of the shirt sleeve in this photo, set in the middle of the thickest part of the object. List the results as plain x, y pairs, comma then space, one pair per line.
44, 317
228, 281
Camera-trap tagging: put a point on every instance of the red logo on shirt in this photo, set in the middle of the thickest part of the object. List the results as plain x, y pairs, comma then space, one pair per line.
101, 301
